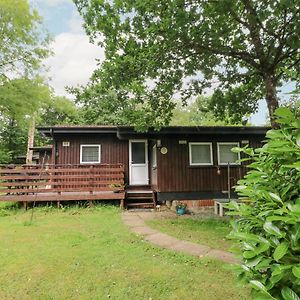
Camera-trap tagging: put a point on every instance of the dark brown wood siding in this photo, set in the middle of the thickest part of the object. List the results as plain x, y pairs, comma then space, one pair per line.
113, 150
173, 172
176, 175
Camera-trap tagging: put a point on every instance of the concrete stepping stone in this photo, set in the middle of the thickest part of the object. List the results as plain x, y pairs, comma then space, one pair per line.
143, 230
136, 222
223, 255
191, 248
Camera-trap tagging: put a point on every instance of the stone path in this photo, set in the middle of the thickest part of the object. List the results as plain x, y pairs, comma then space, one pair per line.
136, 222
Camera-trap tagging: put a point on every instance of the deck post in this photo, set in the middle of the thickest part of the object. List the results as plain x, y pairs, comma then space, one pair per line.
25, 205
58, 204
122, 204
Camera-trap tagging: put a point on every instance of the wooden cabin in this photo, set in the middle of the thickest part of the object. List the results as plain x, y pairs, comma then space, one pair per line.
174, 163
42, 154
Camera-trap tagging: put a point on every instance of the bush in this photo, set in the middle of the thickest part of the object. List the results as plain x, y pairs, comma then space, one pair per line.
267, 230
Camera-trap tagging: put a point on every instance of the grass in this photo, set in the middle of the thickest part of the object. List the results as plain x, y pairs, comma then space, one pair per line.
211, 232
89, 254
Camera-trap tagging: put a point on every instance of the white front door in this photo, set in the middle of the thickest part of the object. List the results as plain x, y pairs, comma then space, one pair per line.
138, 162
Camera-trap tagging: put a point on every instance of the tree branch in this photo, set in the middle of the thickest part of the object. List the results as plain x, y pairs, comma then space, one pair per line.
229, 52
254, 30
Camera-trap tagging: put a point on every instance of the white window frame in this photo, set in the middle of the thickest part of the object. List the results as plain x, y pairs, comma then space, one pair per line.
234, 144
154, 154
201, 164
94, 162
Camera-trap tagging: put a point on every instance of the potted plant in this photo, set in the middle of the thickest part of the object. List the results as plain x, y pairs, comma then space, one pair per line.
119, 186
180, 208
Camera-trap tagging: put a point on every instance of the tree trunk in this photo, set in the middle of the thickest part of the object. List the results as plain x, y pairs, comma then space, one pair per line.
30, 142
271, 99
11, 137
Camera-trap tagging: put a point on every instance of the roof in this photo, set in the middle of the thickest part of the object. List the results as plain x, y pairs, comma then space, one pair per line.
82, 126
125, 131
42, 148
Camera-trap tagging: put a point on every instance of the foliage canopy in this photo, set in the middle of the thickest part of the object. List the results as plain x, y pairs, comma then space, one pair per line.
154, 49
23, 43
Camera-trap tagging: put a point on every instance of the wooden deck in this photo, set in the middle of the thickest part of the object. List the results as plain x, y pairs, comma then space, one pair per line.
62, 183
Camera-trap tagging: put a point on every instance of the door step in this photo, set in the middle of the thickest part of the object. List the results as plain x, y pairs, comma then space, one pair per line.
140, 199
142, 205
139, 192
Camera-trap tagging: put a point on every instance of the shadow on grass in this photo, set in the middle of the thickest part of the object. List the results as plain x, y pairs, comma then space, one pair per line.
12, 208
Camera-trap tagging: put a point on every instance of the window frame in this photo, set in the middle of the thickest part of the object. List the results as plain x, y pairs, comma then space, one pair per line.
211, 154
235, 144
90, 145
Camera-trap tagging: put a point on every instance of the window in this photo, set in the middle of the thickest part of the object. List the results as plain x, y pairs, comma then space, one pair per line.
225, 155
138, 152
200, 154
90, 154
154, 157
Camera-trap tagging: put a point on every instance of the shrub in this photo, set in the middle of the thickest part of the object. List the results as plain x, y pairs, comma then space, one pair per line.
267, 230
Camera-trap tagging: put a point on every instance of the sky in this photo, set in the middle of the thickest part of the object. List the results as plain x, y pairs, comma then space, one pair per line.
74, 58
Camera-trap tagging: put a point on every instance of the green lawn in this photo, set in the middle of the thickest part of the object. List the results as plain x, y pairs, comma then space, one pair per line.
90, 254
211, 232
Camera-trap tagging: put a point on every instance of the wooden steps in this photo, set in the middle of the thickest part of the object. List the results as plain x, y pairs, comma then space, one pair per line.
143, 198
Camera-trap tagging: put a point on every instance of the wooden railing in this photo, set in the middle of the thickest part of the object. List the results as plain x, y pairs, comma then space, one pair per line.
62, 182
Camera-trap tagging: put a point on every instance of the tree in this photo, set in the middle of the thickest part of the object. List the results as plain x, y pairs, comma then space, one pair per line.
155, 49
16, 125
267, 226
20, 100
108, 107
23, 43
197, 113
23, 46
58, 111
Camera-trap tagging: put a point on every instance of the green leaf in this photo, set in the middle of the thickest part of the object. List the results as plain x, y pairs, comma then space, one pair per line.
272, 229
284, 112
262, 248
296, 271
280, 251
237, 149
273, 134
249, 254
247, 237
278, 269
298, 138
257, 285
280, 218
295, 236
248, 246
289, 294
275, 197
276, 278
253, 262
295, 209
264, 296
265, 263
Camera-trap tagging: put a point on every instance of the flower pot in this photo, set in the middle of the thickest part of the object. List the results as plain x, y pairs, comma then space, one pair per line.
180, 211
